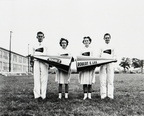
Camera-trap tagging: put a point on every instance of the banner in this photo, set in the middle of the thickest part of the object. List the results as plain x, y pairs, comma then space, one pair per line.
61, 62
87, 62
82, 62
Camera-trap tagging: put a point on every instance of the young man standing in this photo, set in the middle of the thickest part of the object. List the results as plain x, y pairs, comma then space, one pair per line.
40, 70
107, 70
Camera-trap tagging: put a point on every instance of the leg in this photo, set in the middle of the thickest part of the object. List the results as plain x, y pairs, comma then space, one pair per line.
89, 88
60, 91
66, 90
85, 89
110, 81
44, 79
36, 89
89, 91
103, 92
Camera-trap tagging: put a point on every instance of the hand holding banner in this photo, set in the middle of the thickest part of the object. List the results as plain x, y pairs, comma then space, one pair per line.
60, 62
87, 62
82, 62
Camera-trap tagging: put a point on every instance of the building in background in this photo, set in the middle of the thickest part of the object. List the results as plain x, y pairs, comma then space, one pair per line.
18, 63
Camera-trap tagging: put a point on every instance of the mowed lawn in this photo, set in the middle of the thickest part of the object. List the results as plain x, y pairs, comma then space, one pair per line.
16, 98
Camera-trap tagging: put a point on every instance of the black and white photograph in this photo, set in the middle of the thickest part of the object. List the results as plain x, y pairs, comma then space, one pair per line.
71, 58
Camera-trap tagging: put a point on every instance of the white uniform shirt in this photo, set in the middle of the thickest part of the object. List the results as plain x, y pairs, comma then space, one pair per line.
64, 52
87, 76
61, 76
87, 51
107, 51
40, 50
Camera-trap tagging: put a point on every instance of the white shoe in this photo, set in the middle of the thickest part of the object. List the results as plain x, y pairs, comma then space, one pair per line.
103, 96
89, 95
66, 95
85, 96
111, 96
60, 95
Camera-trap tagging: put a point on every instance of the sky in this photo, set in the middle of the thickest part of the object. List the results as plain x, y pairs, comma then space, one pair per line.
73, 19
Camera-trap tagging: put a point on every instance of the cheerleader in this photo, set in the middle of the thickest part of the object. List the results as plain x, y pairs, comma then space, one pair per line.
87, 77
62, 77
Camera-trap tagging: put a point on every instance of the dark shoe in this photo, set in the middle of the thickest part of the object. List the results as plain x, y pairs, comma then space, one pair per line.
43, 100
39, 99
108, 99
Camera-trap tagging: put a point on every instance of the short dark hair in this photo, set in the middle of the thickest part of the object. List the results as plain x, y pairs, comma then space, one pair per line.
40, 33
63, 39
88, 38
107, 34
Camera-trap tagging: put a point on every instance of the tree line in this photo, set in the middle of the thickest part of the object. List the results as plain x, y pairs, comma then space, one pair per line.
127, 63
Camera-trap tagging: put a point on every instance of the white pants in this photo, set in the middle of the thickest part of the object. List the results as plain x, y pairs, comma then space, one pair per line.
107, 80
40, 79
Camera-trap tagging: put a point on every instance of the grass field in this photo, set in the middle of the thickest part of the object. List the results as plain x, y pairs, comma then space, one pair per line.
16, 98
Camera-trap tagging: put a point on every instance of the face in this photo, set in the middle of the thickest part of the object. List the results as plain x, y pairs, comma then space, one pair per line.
64, 44
107, 39
86, 42
40, 37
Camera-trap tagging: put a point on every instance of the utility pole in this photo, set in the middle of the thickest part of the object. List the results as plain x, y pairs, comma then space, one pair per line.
10, 52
